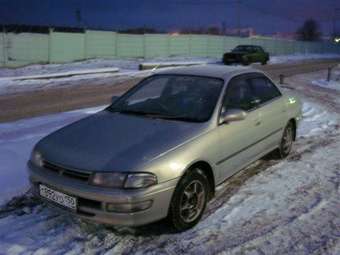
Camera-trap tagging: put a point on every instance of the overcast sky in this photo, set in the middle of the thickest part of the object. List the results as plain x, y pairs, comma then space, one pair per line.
266, 16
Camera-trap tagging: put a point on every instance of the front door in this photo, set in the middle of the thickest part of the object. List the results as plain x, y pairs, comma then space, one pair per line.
238, 140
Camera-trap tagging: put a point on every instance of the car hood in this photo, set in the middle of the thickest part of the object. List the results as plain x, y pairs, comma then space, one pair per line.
109, 141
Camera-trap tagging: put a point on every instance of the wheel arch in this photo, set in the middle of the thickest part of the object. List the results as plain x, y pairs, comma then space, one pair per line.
208, 171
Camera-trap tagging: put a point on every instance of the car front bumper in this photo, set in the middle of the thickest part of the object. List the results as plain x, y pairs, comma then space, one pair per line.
93, 201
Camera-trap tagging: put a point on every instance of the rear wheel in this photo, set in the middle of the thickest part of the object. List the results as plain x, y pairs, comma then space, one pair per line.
286, 141
189, 200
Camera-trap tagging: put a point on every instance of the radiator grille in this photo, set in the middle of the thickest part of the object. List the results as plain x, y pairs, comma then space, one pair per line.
82, 176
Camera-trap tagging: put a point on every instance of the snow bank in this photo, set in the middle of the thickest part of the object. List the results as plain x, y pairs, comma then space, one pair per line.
316, 120
63, 74
281, 59
156, 65
33, 77
327, 84
122, 64
17, 140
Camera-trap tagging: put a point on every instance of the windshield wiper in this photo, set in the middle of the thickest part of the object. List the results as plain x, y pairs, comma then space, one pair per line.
156, 115
179, 117
134, 112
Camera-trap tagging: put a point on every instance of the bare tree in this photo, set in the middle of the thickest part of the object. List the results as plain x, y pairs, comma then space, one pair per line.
309, 31
213, 30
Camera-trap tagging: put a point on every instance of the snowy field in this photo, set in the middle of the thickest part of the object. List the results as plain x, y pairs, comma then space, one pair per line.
274, 207
319, 79
128, 68
333, 83
300, 57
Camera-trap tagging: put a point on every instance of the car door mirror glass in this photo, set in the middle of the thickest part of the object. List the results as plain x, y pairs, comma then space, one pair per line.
255, 101
232, 115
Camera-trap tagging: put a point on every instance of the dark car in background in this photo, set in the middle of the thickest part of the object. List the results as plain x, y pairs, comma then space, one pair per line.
246, 54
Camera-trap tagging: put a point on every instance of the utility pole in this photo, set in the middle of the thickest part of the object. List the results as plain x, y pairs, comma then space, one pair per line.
238, 13
5, 45
334, 21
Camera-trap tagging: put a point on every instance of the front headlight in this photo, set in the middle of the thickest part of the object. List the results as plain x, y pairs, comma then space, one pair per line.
140, 180
121, 180
36, 158
109, 180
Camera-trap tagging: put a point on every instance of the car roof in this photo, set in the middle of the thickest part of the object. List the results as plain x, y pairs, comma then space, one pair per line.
248, 45
214, 71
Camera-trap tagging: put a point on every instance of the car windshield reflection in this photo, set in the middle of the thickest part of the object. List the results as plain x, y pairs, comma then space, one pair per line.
173, 97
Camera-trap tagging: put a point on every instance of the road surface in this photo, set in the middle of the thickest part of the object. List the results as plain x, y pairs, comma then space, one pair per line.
65, 98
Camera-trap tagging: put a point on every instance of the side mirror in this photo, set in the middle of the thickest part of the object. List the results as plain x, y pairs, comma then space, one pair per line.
114, 99
232, 115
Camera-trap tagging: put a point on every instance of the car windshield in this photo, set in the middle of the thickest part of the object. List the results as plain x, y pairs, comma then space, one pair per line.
176, 97
244, 48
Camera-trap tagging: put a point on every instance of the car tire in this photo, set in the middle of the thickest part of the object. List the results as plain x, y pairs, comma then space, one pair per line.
286, 141
189, 200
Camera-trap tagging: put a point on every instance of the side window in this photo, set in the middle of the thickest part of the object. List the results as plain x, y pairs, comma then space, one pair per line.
264, 89
259, 49
238, 95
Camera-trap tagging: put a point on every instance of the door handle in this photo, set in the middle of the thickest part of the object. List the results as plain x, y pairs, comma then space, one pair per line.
258, 123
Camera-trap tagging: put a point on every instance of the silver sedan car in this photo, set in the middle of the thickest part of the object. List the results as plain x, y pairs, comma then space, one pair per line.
162, 148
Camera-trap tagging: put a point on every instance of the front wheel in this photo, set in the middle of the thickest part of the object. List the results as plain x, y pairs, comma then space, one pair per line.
189, 200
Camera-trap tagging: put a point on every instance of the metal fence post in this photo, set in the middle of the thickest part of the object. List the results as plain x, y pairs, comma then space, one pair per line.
168, 38
50, 34
329, 73
282, 77
85, 44
144, 46
4, 46
190, 44
116, 43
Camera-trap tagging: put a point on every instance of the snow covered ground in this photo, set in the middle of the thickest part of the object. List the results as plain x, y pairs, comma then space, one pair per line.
10, 86
16, 142
123, 64
128, 67
274, 207
319, 79
334, 82
90, 72
300, 57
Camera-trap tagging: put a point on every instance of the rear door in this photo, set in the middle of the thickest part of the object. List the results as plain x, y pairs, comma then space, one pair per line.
271, 109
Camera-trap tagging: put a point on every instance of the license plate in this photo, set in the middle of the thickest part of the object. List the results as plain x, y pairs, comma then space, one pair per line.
58, 197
